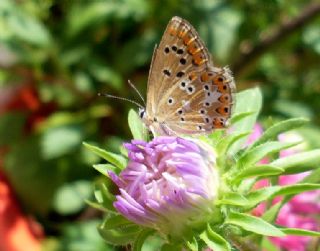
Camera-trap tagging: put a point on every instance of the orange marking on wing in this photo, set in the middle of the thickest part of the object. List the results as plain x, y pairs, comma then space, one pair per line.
182, 33
205, 77
218, 123
192, 76
221, 83
223, 110
193, 48
198, 59
224, 98
173, 31
188, 39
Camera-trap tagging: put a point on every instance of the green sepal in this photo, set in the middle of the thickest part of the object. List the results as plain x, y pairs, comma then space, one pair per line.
104, 168
193, 244
257, 196
248, 101
171, 247
140, 239
272, 132
300, 232
115, 159
234, 199
253, 224
271, 214
214, 241
254, 155
117, 230
300, 162
257, 171
96, 205
227, 142
239, 116
136, 126
103, 196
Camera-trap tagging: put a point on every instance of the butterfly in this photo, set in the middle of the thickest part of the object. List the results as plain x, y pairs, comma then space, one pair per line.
186, 93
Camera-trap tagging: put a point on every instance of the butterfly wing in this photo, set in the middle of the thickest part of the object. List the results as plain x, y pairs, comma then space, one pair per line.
186, 93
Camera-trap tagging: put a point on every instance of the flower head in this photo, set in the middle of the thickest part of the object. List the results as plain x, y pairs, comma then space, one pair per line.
167, 184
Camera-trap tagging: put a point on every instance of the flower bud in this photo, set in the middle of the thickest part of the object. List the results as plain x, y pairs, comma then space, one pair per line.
170, 184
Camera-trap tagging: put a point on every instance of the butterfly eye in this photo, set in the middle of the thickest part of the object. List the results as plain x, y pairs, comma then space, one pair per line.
142, 113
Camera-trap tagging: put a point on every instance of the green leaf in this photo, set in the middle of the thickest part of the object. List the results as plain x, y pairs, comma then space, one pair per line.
221, 21
272, 132
271, 214
258, 171
226, 142
61, 140
104, 168
28, 28
234, 199
214, 241
117, 230
74, 194
36, 183
141, 238
300, 162
14, 121
239, 116
313, 177
115, 159
300, 232
253, 224
80, 236
137, 128
96, 205
257, 196
170, 247
266, 244
193, 244
296, 189
254, 155
103, 196
248, 101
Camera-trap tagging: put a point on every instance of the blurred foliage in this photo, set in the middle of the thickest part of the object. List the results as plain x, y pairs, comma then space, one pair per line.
55, 56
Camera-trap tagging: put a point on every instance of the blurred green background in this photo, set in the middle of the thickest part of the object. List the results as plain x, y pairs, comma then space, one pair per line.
55, 56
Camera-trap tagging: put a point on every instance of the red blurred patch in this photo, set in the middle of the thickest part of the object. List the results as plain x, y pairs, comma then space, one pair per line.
17, 232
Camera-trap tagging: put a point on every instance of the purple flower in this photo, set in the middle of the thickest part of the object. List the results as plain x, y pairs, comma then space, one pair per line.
170, 183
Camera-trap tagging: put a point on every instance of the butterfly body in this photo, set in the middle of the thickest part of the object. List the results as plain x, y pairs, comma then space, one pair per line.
186, 93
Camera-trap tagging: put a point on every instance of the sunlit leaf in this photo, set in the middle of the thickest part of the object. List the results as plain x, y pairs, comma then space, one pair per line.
214, 241
253, 224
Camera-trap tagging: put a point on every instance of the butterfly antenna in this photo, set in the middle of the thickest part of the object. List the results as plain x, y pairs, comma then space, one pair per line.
136, 90
120, 98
